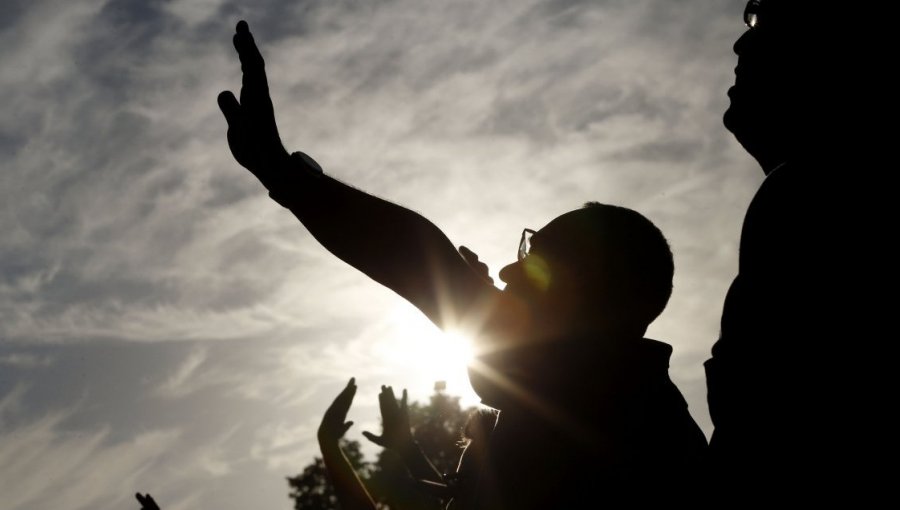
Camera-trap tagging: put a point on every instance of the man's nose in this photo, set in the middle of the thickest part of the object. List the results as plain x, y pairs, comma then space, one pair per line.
511, 273
740, 46
533, 274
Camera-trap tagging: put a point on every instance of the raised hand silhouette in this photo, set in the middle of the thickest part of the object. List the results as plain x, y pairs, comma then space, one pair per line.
349, 489
583, 285
147, 502
799, 375
252, 131
334, 424
396, 434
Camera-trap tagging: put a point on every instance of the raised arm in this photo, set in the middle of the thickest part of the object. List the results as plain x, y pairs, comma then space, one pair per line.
350, 491
393, 245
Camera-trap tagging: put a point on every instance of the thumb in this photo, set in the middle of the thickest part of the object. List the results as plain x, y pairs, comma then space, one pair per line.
467, 254
372, 437
229, 106
345, 427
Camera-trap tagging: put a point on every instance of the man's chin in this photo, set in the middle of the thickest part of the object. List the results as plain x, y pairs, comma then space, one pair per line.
731, 119
740, 111
740, 117
749, 134
737, 122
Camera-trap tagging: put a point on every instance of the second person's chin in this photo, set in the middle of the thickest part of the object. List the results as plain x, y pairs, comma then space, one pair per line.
739, 120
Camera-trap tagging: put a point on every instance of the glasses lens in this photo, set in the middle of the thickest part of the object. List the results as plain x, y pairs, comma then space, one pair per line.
525, 243
751, 13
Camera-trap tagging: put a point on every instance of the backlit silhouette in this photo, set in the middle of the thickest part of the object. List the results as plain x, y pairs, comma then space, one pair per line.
562, 353
795, 390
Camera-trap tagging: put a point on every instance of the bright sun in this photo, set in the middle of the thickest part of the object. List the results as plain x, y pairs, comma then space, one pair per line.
428, 354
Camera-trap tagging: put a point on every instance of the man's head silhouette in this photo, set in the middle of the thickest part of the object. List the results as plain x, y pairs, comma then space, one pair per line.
797, 78
598, 269
591, 280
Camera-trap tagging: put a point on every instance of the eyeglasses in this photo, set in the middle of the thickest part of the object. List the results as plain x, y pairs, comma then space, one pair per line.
525, 243
751, 13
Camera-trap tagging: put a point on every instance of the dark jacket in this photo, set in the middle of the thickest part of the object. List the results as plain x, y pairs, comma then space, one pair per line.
589, 422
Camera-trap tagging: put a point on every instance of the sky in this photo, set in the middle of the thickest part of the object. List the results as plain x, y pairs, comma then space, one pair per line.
166, 328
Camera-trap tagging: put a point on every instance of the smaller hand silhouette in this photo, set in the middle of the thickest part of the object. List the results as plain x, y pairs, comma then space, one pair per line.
396, 434
334, 426
147, 502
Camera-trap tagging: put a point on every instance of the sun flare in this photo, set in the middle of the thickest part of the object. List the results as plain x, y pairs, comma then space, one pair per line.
429, 355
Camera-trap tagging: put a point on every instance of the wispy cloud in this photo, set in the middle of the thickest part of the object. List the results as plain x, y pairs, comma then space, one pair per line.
42, 465
146, 276
25, 360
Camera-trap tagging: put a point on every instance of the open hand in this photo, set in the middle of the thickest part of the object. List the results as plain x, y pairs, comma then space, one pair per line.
334, 426
146, 501
395, 434
252, 132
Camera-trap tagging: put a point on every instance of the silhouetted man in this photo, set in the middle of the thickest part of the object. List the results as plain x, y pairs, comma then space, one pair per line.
794, 381
588, 412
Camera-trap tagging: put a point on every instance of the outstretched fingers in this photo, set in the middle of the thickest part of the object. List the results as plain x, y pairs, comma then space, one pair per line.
333, 426
345, 397
403, 413
147, 502
248, 52
388, 403
252, 63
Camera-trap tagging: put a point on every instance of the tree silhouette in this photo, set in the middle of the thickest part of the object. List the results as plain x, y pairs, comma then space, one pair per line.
437, 427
